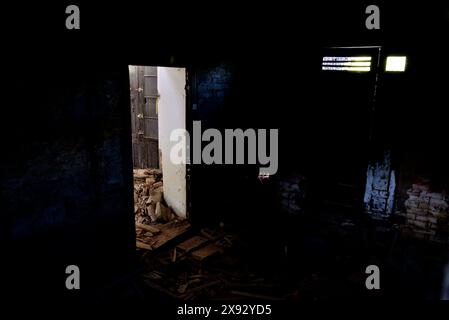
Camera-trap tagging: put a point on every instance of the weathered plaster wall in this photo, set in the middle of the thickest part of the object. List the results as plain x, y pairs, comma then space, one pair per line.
380, 187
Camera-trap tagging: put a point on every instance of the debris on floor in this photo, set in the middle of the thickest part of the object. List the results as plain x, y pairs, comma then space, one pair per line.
204, 265
189, 264
154, 237
149, 204
156, 223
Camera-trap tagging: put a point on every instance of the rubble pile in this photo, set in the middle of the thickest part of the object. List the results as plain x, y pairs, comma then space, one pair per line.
149, 204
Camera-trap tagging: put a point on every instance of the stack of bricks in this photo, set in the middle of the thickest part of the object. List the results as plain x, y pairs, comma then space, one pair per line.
427, 213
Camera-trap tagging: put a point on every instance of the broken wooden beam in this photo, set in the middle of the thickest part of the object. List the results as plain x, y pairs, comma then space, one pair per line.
147, 228
192, 244
169, 231
142, 245
205, 252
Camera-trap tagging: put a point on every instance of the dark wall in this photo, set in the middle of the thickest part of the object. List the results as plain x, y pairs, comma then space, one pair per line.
67, 175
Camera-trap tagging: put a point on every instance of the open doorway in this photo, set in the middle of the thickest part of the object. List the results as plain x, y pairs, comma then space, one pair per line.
158, 106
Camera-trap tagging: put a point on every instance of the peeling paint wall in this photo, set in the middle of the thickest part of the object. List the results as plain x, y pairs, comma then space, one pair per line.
380, 187
171, 109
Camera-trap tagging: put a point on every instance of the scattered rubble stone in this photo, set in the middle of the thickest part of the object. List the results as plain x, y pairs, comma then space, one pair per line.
156, 223
149, 204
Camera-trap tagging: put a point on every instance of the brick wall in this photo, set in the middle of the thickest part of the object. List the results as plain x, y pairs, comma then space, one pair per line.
426, 212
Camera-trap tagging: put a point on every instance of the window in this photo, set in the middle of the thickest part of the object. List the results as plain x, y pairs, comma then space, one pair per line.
395, 64
357, 64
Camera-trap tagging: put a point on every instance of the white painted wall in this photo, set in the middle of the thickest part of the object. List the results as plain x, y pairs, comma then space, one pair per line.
171, 108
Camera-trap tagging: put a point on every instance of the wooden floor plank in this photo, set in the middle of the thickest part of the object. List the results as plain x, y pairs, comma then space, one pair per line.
168, 232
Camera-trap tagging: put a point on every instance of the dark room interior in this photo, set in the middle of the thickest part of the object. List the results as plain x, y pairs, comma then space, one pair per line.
362, 174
